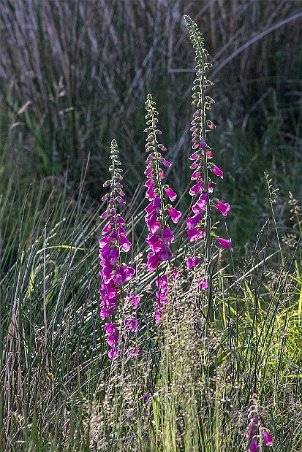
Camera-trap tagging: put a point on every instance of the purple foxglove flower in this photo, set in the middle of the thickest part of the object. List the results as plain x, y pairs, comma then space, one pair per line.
134, 352
195, 234
110, 328
153, 261
196, 175
193, 221
267, 438
123, 274
195, 189
194, 166
166, 163
192, 262
202, 144
224, 208
153, 223
209, 154
167, 235
134, 299
112, 339
114, 353
253, 446
154, 242
224, 243
194, 156
150, 193
125, 244
149, 183
171, 194
106, 229
174, 214
157, 316
165, 254
131, 324
195, 146
162, 147
105, 313
217, 171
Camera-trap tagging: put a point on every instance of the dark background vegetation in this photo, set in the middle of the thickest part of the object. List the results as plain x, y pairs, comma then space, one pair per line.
75, 74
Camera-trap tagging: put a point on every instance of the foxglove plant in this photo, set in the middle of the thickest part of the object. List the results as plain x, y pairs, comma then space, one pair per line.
257, 434
199, 223
158, 210
114, 272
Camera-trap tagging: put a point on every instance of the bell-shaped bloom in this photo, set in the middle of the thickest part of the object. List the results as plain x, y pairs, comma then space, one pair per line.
196, 175
217, 171
167, 235
166, 163
165, 254
192, 262
134, 300
152, 223
131, 324
114, 353
267, 438
202, 144
170, 193
224, 208
224, 243
153, 261
134, 352
195, 234
150, 193
125, 244
195, 189
174, 214
154, 242
110, 328
112, 339
123, 274
193, 221
253, 447
194, 156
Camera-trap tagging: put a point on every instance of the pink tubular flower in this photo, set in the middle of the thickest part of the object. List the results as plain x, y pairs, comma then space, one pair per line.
253, 446
114, 353
217, 171
131, 324
192, 262
195, 234
174, 214
224, 243
135, 300
110, 328
267, 438
224, 208
170, 193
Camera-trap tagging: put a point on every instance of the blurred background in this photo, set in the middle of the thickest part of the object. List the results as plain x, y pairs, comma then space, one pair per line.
75, 74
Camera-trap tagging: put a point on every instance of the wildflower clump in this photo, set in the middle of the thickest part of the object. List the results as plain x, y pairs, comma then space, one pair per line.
115, 273
200, 225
